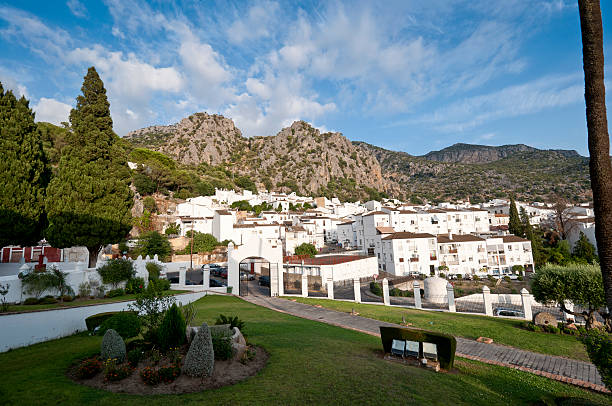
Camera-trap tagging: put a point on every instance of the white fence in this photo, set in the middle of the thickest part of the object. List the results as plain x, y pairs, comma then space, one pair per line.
22, 329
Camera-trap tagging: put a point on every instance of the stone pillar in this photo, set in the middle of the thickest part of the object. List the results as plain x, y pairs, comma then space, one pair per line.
155, 258
304, 284
182, 275
357, 290
206, 278
526, 298
486, 299
417, 294
385, 288
273, 280
330, 288
569, 318
450, 293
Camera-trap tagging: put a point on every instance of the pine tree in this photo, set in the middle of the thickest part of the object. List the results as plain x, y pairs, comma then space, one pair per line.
514, 225
88, 201
24, 173
535, 237
525, 223
584, 250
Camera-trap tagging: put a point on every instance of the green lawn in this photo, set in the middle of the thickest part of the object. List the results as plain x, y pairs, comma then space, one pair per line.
502, 331
310, 363
77, 302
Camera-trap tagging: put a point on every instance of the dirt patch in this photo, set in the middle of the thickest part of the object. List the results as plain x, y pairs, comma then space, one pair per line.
225, 373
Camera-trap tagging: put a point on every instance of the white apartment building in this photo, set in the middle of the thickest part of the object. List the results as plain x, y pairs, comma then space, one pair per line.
504, 252
582, 225
462, 254
404, 253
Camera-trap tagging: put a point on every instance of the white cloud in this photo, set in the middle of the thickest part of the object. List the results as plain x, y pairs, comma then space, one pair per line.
255, 24
512, 101
77, 8
51, 110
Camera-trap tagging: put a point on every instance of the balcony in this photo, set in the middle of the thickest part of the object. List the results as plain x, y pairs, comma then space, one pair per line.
433, 257
452, 251
414, 259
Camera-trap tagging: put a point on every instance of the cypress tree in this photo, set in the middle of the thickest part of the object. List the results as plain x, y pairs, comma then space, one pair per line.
24, 173
89, 201
514, 224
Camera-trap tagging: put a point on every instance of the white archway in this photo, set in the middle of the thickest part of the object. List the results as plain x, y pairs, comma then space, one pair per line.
255, 247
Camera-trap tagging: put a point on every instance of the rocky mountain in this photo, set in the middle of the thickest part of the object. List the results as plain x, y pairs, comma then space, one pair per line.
302, 159
475, 154
299, 158
531, 174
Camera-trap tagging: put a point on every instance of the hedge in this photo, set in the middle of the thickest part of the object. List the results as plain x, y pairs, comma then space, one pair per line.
95, 320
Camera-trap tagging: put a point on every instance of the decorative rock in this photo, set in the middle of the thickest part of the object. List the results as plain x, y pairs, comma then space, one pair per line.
238, 350
485, 340
237, 337
571, 326
112, 346
200, 359
435, 289
544, 319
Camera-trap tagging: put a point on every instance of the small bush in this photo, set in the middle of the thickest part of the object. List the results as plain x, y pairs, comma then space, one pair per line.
233, 321
598, 344
97, 319
154, 270
31, 301
222, 346
491, 278
127, 324
160, 284
135, 285
169, 373
376, 288
442, 275
115, 372
200, 359
48, 300
171, 332
551, 329
67, 298
520, 278
113, 346
475, 277
116, 271
150, 376
84, 289
115, 293
507, 279
89, 368
134, 356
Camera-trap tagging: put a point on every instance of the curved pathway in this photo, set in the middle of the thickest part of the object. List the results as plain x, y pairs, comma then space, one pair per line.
567, 370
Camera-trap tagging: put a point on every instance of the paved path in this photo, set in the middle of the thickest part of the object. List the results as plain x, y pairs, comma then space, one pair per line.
562, 369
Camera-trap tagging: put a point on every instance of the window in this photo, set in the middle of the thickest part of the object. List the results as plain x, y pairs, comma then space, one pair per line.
401, 260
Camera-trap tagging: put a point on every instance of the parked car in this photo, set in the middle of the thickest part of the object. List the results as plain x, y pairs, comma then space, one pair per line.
217, 284
245, 276
264, 280
223, 273
214, 268
504, 311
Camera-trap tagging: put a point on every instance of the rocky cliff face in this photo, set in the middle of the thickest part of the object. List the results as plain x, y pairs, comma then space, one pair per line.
298, 157
476, 154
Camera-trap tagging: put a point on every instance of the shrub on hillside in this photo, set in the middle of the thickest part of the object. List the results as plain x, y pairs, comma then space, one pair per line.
200, 359
113, 346
135, 285
127, 324
598, 344
171, 332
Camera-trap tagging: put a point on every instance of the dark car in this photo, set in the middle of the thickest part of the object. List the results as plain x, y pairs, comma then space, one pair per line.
214, 268
223, 273
216, 284
264, 280
503, 311
245, 276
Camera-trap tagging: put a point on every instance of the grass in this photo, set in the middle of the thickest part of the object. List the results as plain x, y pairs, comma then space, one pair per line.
310, 363
79, 302
502, 331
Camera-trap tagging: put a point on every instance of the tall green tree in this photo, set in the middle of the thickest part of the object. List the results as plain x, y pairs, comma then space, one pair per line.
88, 201
584, 251
514, 225
600, 167
24, 170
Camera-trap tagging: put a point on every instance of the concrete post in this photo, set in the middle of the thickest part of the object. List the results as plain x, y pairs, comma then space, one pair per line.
155, 258
281, 286
206, 278
486, 298
385, 287
182, 275
569, 318
304, 284
526, 298
273, 280
450, 293
330, 288
417, 294
357, 290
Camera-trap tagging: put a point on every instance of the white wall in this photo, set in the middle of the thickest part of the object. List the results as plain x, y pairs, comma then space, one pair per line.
19, 330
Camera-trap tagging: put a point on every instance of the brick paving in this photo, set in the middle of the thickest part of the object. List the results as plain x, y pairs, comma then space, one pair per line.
567, 370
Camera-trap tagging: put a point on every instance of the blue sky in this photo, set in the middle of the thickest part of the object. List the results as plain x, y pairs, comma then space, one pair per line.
406, 75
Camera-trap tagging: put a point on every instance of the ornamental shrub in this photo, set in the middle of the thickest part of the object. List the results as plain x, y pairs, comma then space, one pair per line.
376, 288
222, 343
31, 301
598, 344
233, 321
154, 270
150, 376
89, 368
116, 372
168, 374
97, 319
135, 285
200, 359
116, 271
134, 356
171, 332
115, 293
113, 346
127, 324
